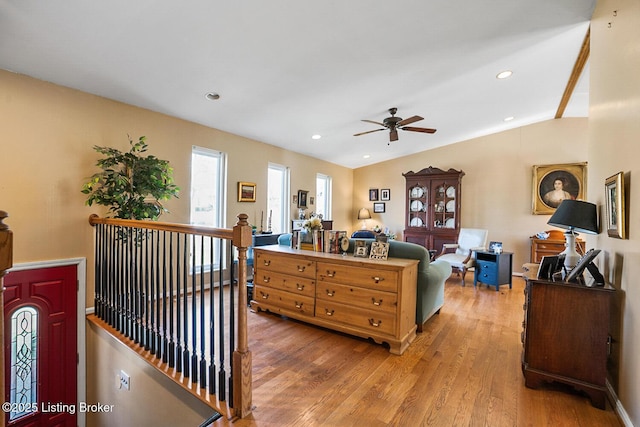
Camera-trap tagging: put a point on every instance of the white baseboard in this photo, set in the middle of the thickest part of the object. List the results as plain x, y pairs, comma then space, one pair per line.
618, 408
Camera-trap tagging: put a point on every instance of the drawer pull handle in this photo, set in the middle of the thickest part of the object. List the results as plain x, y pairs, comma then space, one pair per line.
331, 273
301, 268
266, 279
378, 303
267, 262
328, 312
264, 296
374, 323
377, 279
299, 287
330, 293
298, 305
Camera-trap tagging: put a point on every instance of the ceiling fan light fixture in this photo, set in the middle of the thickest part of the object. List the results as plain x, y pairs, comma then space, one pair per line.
504, 74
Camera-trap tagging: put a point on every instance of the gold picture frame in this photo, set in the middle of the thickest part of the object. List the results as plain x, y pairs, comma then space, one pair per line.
246, 191
615, 205
554, 183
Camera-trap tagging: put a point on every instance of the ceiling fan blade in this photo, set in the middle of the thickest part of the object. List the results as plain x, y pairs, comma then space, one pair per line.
409, 120
423, 130
393, 135
369, 131
375, 123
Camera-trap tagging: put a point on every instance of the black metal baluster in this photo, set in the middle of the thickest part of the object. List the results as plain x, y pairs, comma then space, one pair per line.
232, 329
152, 290
212, 331
185, 347
147, 293
178, 296
158, 301
222, 381
110, 277
202, 352
171, 343
121, 275
194, 331
98, 255
165, 340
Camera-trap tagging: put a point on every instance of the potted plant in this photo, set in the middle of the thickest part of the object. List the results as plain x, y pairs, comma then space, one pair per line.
131, 184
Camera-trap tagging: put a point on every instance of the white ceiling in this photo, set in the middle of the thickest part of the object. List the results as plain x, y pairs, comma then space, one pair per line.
288, 69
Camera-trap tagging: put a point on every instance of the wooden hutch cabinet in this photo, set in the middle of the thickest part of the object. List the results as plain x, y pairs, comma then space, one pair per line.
432, 207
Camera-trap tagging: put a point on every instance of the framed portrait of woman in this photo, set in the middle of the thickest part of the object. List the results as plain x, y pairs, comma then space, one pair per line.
554, 183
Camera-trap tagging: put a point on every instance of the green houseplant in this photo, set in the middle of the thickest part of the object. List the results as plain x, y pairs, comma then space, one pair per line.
131, 184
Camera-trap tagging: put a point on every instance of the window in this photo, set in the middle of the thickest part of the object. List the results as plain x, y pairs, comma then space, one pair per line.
323, 195
24, 352
277, 198
208, 184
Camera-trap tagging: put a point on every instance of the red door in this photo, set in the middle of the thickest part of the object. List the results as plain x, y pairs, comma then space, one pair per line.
41, 347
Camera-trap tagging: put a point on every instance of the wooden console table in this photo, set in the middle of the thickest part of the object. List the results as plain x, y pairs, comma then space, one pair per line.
565, 336
359, 296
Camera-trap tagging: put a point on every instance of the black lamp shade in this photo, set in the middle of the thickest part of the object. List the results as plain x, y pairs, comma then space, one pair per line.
576, 215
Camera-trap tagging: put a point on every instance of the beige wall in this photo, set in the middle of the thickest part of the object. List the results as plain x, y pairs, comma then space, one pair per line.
614, 146
497, 185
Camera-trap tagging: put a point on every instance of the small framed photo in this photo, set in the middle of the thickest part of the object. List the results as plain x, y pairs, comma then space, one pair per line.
615, 205
373, 194
360, 249
378, 207
379, 250
246, 191
385, 194
302, 198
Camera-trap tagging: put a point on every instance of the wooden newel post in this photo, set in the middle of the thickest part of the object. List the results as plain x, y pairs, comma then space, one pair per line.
242, 388
6, 262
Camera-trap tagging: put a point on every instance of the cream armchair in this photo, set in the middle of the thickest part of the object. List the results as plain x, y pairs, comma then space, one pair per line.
461, 255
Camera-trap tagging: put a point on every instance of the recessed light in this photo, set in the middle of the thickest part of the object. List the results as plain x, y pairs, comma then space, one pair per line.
504, 74
212, 96
366, 156
508, 119
316, 136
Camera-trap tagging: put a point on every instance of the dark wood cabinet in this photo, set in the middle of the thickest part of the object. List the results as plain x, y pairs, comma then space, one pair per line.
432, 207
565, 336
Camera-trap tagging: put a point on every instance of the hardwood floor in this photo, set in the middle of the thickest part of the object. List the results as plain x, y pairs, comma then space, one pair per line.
464, 369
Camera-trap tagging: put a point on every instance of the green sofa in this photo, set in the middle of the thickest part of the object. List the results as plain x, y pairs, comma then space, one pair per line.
431, 275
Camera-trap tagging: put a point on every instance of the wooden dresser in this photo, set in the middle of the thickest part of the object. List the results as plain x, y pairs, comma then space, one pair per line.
565, 336
553, 245
362, 297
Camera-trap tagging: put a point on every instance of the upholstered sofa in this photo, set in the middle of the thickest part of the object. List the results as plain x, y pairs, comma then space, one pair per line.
431, 275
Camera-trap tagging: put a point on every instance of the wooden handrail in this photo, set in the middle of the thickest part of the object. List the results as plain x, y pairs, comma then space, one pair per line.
6, 262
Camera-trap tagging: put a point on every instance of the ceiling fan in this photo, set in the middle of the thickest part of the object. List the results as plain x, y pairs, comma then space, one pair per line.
394, 123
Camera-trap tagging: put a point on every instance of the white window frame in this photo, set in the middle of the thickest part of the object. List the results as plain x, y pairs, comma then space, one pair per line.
285, 191
326, 186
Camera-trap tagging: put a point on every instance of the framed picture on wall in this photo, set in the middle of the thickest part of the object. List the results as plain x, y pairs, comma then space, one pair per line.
302, 198
385, 194
554, 183
615, 206
378, 207
246, 191
373, 194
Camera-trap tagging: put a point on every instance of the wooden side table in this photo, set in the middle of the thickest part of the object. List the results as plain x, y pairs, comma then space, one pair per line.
493, 269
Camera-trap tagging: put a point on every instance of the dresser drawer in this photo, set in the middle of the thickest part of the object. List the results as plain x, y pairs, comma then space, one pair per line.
286, 282
382, 280
360, 297
298, 266
368, 320
276, 298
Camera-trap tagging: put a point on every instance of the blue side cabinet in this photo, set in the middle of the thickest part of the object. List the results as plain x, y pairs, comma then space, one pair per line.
493, 269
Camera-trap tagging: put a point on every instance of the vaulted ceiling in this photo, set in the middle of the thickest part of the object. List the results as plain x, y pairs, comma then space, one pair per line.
285, 70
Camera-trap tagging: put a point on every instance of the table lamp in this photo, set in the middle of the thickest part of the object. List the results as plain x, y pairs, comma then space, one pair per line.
364, 215
574, 215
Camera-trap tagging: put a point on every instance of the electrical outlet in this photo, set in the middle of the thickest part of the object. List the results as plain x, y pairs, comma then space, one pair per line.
125, 380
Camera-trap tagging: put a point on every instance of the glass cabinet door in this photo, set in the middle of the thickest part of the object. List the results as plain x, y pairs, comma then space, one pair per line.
417, 209
445, 206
